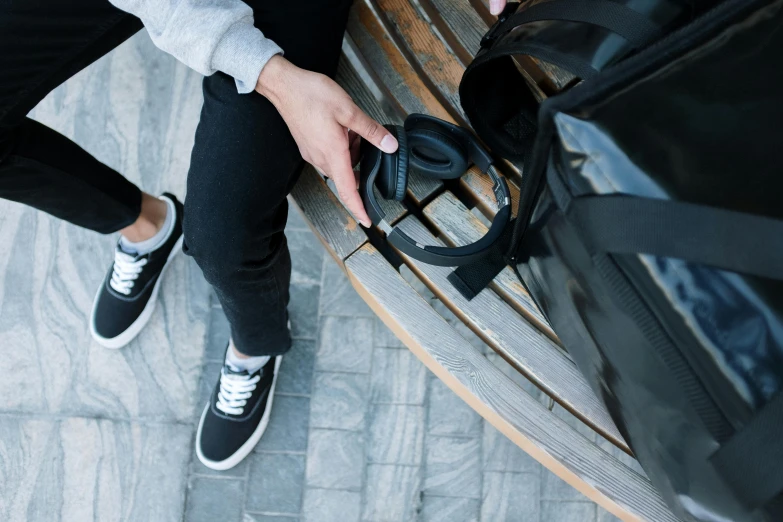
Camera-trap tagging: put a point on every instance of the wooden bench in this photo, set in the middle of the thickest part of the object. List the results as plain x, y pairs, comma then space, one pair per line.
404, 56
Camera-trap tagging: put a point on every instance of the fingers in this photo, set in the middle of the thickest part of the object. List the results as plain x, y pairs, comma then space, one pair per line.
369, 129
496, 6
345, 181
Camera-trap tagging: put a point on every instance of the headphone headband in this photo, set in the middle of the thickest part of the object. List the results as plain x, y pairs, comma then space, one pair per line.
446, 137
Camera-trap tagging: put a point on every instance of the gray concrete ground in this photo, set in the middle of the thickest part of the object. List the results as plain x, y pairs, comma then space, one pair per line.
360, 429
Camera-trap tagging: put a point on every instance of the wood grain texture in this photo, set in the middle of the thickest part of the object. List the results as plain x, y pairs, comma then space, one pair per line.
136, 110
332, 223
359, 89
498, 399
389, 63
436, 64
460, 25
360, 67
482, 9
519, 342
457, 226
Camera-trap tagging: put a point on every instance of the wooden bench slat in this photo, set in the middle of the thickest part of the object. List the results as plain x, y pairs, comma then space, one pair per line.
459, 24
482, 8
357, 87
331, 223
548, 439
513, 337
394, 210
352, 56
457, 226
385, 57
439, 67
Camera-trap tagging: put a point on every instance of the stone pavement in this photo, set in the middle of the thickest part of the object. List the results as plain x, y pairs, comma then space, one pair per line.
360, 429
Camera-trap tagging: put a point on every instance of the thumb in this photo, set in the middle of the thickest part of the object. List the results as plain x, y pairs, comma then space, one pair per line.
496, 6
371, 130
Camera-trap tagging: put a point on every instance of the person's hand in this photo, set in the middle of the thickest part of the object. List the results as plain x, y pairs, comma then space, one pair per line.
326, 124
496, 6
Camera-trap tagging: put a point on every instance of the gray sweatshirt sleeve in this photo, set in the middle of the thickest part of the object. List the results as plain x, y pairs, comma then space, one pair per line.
207, 35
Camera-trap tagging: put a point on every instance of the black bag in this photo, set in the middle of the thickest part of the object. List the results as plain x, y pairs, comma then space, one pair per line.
650, 227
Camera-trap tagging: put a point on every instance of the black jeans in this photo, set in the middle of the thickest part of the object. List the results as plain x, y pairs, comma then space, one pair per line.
243, 165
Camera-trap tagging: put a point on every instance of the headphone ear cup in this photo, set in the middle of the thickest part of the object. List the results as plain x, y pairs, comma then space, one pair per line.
402, 164
436, 154
393, 176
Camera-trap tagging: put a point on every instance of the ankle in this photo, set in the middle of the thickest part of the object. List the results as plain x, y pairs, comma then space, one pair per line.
150, 220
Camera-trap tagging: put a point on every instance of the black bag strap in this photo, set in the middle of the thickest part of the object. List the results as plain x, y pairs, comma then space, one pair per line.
752, 460
618, 18
725, 239
471, 279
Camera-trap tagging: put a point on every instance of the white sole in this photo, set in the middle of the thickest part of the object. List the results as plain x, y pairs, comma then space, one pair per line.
245, 449
136, 327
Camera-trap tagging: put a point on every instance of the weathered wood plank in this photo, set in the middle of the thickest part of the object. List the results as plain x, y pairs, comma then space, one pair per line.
551, 441
437, 66
513, 337
394, 210
482, 9
382, 53
358, 89
457, 226
459, 24
332, 223
389, 110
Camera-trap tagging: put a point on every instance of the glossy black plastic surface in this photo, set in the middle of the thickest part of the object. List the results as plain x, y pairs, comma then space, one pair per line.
707, 129
596, 45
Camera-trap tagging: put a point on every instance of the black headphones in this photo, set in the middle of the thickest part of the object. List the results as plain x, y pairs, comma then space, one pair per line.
441, 150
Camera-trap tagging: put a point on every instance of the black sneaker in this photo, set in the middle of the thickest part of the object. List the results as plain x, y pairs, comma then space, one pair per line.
126, 299
237, 415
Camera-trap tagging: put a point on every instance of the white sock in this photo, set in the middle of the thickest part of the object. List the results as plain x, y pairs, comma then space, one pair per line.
148, 245
250, 364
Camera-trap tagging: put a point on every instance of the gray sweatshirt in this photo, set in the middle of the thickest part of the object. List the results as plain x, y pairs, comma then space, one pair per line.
207, 35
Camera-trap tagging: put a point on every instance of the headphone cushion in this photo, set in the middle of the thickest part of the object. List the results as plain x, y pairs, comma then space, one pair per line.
402, 164
393, 177
437, 155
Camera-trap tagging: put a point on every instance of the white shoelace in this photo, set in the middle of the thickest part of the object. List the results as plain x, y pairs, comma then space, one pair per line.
126, 270
235, 390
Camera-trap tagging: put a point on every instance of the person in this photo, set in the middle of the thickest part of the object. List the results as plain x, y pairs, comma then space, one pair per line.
269, 104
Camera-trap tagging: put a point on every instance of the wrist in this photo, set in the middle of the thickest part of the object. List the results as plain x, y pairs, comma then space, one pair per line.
272, 77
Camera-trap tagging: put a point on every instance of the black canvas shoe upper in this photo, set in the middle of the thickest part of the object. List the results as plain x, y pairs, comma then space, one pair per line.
235, 409
129, 285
